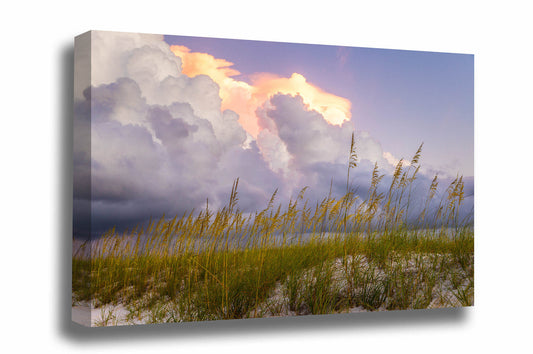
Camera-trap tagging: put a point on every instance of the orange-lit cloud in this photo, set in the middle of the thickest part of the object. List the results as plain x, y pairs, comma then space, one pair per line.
244, 98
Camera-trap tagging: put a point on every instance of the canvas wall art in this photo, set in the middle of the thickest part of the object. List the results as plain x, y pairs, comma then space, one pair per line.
224, 179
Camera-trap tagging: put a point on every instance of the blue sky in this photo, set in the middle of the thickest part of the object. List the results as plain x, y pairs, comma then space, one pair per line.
402, 98
169, 128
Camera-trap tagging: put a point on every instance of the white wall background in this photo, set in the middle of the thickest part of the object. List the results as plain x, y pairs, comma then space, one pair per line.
35, 83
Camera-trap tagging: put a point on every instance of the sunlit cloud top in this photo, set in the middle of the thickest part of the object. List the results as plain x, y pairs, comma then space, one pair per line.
172, 125
244, 98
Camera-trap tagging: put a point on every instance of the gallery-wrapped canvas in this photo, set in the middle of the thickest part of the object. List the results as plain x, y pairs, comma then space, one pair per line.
231, 179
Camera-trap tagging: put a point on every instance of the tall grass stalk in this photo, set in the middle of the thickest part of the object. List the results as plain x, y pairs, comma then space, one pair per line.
347, 252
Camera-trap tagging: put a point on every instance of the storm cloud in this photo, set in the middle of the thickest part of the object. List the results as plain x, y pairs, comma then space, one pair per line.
150, 140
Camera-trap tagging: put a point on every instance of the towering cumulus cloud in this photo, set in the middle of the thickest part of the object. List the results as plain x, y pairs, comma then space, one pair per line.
245, 98
171, 129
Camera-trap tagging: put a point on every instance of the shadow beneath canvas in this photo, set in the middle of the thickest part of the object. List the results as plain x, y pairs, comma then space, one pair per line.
281, 326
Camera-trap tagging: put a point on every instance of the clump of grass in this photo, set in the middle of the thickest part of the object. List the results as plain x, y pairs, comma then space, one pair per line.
371, 289
107, 317
340, 253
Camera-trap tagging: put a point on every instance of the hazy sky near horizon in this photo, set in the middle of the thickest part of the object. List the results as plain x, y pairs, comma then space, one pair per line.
173, 121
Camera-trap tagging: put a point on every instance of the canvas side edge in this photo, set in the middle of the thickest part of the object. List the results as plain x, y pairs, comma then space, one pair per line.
81, 312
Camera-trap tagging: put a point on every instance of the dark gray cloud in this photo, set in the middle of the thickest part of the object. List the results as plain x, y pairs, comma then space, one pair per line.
317, 156
150, 141
149, 160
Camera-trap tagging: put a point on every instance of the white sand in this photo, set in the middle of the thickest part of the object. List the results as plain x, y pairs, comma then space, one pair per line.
276, 305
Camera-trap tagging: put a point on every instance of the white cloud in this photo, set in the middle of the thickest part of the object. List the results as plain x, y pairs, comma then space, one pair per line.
116, 54
159, 141
162, 144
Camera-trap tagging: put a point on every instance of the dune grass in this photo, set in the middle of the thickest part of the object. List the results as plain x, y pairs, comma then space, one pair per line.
338, 255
